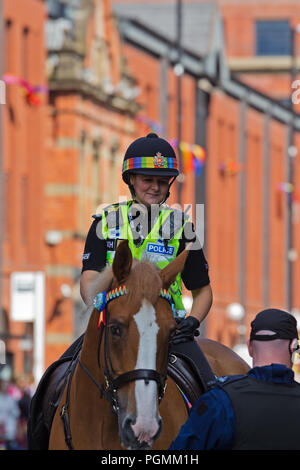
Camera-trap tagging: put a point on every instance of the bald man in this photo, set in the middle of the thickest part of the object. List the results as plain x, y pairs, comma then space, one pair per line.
256, 411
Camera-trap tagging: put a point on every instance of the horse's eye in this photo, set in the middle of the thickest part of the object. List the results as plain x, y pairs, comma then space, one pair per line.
115, 330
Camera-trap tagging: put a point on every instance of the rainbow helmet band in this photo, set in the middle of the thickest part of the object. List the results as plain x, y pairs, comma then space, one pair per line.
150, 155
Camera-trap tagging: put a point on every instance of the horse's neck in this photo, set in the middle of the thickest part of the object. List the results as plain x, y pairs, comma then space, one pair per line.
86, 377
90, 348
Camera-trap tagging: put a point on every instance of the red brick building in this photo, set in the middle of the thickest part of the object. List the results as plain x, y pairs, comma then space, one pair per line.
257, 40
246, 133
62, 151
91, 120
100, 99
112, 78
23, 169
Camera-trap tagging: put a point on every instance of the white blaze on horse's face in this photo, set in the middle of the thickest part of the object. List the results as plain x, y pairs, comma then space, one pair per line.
147, 418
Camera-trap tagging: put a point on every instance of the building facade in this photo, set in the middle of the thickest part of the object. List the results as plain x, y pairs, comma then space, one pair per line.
23, 167
91, 121
249, 180
107, 73
69, 114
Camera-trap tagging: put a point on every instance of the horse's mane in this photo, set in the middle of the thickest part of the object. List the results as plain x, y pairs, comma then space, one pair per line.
101, 283
144, 281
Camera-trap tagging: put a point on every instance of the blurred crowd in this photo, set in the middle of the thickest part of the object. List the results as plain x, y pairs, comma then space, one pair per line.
15, 396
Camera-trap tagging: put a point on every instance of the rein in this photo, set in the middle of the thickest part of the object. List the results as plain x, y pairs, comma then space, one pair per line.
111, 384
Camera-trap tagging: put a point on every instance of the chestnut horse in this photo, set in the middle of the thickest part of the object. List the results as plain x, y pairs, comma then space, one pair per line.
117, 397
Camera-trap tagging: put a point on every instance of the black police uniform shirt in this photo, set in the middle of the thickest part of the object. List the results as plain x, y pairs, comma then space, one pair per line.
195, 273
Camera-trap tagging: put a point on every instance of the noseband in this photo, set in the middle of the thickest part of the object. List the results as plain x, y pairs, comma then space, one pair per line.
111, 383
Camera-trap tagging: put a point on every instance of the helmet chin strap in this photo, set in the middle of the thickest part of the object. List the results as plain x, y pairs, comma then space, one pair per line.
168, 192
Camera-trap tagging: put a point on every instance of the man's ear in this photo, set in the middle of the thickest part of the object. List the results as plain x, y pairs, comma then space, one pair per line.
293, 345
250, 350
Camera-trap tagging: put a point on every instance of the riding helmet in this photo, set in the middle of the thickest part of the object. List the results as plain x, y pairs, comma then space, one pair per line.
150, 155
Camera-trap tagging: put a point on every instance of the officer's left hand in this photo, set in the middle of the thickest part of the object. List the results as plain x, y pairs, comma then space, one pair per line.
186, 330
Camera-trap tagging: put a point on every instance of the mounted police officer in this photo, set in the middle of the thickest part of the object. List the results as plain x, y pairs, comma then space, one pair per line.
256, 411
155, 231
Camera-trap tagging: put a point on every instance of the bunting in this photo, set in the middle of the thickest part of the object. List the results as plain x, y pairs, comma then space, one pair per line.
29, 90
193, 155
229, 167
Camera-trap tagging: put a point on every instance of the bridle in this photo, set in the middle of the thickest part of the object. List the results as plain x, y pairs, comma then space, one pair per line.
109, 388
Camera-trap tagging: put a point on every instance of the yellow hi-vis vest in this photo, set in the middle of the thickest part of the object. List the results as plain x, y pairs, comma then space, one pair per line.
159, 247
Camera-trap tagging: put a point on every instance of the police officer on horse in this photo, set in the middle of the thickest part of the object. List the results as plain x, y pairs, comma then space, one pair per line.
154, 231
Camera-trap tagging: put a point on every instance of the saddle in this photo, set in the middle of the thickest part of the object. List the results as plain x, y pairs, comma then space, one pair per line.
190, 370
187, 366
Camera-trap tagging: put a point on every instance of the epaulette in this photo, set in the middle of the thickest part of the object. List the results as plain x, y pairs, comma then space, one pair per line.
97, 216
110, 209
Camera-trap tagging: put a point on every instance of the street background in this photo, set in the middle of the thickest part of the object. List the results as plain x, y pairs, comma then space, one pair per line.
81, 79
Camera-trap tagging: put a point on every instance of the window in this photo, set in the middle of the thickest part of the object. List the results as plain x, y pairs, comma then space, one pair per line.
273, 37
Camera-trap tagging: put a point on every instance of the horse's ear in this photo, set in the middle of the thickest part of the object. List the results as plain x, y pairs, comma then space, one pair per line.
169, 273
122, 261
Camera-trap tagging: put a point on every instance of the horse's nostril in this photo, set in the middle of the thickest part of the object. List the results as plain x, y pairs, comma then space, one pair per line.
128, 422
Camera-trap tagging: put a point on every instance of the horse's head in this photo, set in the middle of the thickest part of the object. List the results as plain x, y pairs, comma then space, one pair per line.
138, 328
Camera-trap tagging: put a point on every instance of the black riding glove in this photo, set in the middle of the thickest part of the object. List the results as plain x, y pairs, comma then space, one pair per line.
186, 330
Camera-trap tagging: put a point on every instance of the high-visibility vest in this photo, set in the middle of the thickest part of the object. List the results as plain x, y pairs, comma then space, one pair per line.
160, 246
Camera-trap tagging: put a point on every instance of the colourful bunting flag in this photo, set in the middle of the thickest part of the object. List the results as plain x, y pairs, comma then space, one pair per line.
229, 167
193, 155
30, 90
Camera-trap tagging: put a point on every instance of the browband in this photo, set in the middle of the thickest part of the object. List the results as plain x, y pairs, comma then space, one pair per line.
103, 298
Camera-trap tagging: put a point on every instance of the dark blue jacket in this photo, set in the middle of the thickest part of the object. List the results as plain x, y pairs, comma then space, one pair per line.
211, 424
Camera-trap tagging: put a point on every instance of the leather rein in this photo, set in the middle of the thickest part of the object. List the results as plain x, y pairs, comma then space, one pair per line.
109, 388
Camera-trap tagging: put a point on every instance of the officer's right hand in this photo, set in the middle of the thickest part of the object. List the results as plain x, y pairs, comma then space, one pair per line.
187, 329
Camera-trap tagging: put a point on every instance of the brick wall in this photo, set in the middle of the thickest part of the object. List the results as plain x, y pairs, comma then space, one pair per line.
23, 150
